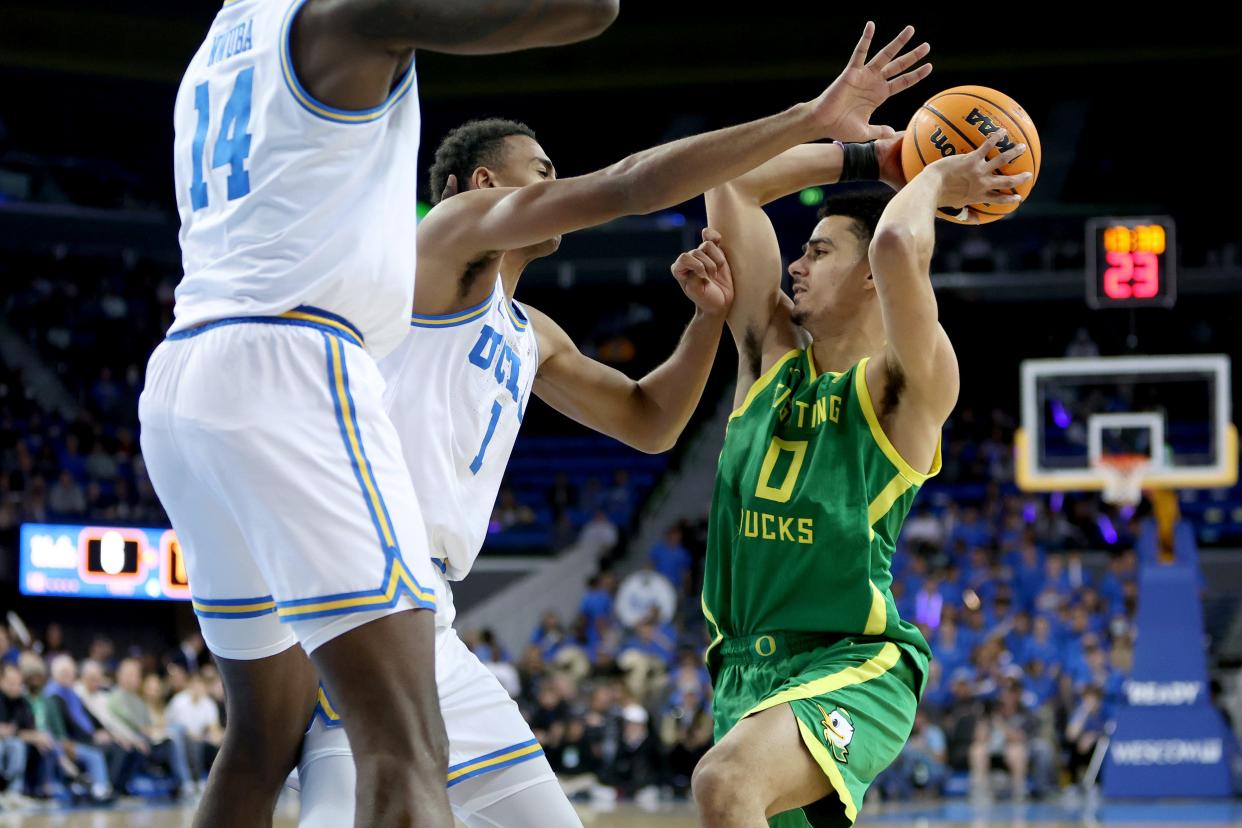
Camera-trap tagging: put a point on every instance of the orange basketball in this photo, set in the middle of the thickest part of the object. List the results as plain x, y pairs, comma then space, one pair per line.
959, 120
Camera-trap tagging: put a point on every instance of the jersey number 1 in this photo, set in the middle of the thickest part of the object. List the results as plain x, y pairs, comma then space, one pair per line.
233, 143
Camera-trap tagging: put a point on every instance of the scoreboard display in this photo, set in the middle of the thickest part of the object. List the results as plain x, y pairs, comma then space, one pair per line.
1131, 262
75, 561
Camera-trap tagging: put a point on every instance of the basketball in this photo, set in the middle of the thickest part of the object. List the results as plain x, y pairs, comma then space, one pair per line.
959, 120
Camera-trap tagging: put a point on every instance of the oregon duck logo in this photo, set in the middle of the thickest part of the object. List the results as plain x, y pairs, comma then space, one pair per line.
838, 732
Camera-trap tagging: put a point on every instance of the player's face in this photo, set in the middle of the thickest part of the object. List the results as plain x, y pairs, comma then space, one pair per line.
833, 272
524, 163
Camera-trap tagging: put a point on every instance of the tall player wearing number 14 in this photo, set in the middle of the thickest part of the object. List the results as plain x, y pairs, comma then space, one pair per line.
263, 428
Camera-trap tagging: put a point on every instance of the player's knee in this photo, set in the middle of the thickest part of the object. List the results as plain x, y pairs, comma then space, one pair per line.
719, 784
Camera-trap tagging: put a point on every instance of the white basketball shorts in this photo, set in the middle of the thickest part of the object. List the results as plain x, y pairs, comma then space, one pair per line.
268, 445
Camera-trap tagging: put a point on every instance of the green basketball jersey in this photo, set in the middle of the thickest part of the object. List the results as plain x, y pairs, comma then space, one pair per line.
809, 498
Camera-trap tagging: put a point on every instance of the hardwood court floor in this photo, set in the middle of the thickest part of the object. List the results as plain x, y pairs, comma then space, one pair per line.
951, 815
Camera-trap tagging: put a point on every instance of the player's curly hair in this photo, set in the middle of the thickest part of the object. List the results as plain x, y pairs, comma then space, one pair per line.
862, 204
470, 146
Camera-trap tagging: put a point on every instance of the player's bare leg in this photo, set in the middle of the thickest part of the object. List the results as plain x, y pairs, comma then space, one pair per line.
759, 769
391, 713
268, 703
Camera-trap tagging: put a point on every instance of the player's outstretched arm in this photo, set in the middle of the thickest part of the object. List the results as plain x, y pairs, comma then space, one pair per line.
349, 53
736, 210
648, 414
918, 350
480, 221
464, 27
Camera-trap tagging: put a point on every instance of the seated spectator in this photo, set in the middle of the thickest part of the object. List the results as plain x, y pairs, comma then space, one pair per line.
23, 747
1005, 740
189, 653
920, 766
645, 595
126, 703
597, 604
194, 715
690, 737
93, 690
638, 763
510, 513
79, 763
1083, 731
600, 533
670, 558
549, 635
85, 740
548, 720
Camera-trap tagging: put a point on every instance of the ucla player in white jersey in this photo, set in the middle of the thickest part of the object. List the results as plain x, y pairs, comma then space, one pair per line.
459, 384
296, 140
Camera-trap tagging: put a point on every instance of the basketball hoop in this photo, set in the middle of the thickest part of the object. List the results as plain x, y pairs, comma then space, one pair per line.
1123, 477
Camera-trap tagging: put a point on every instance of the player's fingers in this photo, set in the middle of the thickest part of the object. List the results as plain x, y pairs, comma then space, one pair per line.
709, 267
997, 197
894, 47
901, 64
714, 253
711, 235
859, 58
687, 267
1007, 156
904, 82
1008, 182
991, 142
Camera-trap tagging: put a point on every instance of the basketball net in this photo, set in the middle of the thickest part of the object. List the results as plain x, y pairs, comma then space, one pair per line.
1123, 477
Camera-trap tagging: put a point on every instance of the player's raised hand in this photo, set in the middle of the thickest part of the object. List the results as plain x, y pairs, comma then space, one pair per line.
704, 275
973, 178
844, 109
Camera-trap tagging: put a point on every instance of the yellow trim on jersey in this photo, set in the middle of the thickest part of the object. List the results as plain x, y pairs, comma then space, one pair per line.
200, 606
355, 446
877, 618
711, 619
323, 320
324, 111
887, 658
397, 576
884, 501
450, 319
810, 360
326, 705
762, 383
824, 759
517, 321
496, 760
916, 478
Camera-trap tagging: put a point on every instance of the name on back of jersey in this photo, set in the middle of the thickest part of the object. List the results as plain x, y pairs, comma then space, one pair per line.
232, 42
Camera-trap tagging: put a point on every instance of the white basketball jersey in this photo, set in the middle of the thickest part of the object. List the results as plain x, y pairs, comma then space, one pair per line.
457, 392
285, 201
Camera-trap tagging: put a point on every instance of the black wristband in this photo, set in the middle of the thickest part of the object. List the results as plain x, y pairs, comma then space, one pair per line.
861, 162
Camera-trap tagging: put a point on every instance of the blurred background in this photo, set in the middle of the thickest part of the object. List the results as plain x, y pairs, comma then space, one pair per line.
1031, 600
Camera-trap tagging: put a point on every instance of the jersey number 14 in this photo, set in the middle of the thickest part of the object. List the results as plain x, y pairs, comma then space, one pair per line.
232, 145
